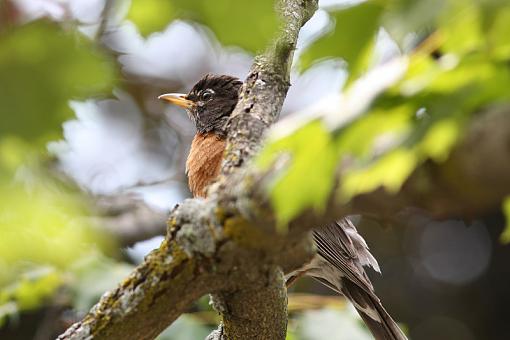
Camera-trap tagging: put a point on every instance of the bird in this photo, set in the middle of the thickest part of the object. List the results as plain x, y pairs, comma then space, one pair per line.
342, 253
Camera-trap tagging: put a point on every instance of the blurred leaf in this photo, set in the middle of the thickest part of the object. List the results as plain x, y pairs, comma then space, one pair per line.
302, 302
42, 226
439, 139
308, 179
331, 324
353, 32
411, 16
461, 26
186, 327
359, 138
244, 23
7, 310
505, 235
92, 276
29, 291
41, 68
151, 15
390, 172
499, 32
32, 288
13, 153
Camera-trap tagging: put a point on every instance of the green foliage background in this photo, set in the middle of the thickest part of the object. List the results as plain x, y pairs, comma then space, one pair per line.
48, 242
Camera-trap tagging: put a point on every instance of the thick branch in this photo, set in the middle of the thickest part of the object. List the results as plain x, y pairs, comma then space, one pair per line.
210, 248
128, 219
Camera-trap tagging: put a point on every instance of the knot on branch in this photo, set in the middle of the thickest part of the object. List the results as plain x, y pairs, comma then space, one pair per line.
195, 228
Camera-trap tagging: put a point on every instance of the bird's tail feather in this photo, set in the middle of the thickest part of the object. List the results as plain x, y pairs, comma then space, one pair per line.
369, 307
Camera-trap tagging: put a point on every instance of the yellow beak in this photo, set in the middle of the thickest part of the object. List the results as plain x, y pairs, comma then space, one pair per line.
178, 99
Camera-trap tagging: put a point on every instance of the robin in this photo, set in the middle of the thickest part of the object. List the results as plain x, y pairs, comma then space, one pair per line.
342, 252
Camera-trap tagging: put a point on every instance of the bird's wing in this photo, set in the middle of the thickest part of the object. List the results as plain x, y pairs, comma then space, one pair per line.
342, 254
342, 247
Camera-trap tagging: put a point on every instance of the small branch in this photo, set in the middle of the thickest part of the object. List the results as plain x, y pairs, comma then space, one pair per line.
128, 219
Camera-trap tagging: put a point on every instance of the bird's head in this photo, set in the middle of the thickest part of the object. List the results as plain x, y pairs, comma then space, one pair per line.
209, 103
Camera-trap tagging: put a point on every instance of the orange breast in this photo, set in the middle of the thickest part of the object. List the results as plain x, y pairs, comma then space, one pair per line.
204, 162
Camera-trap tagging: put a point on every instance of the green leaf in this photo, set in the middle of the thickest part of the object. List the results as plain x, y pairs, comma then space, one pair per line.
308, 178
323, 323
461, 27
390, 172
505, 235
498, 34
186, 327
350, 37
45, 226
93, 275
245, 23
405, 16
41, 68
151, 15
420, 117
34, 287
439, 139
358, 138
29, 291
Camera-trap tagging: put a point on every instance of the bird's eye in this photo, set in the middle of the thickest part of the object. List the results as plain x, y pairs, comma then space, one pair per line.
207, 95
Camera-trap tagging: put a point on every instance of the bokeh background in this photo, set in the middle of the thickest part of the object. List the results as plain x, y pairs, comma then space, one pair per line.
91, 163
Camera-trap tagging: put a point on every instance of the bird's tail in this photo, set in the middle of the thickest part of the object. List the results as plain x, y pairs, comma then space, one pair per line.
369, 307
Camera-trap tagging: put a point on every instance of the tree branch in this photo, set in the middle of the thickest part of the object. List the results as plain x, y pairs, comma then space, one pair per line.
128, 219
210, 246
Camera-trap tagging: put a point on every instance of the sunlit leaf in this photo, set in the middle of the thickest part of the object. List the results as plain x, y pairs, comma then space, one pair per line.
41, 68
359, 138
151, 15
406, 16
308, 179
505, 235
244, 23
42, 227
499, 31
351, 34
461, 26
389, 172
13, 153
32, 288
439, 139
324, 323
